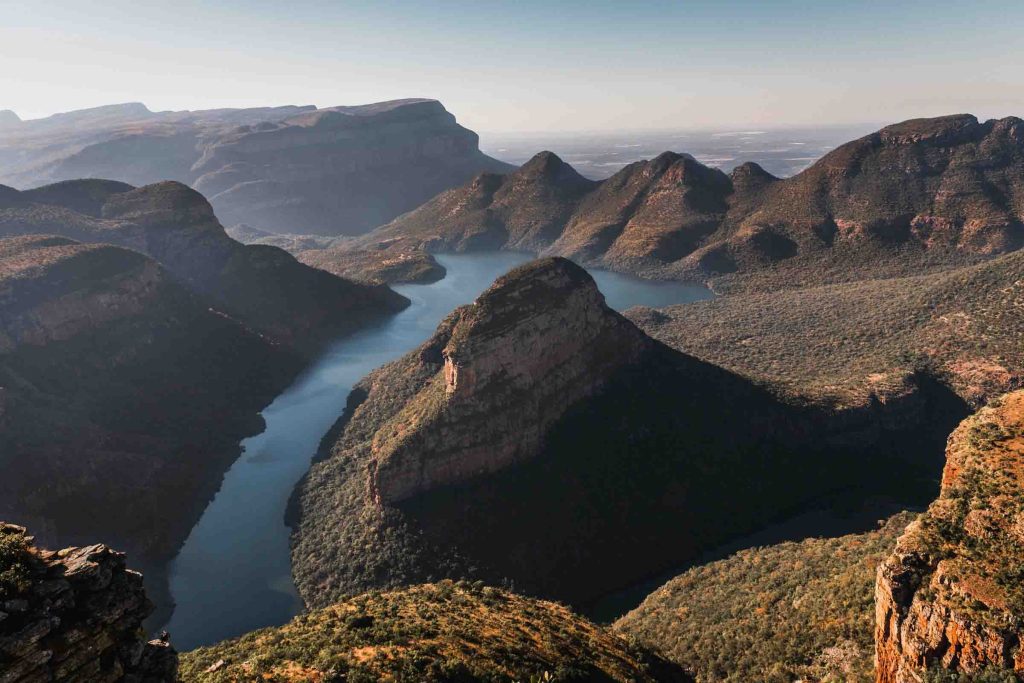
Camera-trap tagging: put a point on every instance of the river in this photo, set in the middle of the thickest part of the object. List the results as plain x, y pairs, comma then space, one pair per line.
233, 574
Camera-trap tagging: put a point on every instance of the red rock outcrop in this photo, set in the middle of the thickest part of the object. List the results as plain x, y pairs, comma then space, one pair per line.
951, 595
75, 616
535, 343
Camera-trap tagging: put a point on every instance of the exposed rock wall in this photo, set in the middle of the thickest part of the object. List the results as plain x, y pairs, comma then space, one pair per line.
76, 617
951, 594
538, 341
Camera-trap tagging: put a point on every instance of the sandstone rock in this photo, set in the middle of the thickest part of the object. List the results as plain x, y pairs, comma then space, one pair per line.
69, 641
949, 596
536, 342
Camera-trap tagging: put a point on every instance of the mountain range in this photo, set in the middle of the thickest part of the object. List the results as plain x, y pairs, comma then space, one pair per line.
924, 193
296, 169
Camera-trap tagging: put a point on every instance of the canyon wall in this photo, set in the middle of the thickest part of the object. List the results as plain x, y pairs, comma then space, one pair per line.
504, 380
951, 596
74, 616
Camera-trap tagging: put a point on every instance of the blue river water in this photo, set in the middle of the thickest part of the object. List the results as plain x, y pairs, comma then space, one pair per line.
233, 573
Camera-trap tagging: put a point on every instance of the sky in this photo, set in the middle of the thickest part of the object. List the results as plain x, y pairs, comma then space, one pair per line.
531, 65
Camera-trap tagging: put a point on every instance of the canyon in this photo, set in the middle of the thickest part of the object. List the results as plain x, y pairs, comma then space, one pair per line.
531, 396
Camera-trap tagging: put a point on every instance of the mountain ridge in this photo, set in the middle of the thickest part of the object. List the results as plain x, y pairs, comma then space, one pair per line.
924, 193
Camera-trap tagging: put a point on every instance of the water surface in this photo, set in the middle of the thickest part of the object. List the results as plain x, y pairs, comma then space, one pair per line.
233, 574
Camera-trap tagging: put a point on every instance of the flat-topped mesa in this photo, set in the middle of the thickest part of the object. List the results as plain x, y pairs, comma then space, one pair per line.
951, 595
74, 615
539, 340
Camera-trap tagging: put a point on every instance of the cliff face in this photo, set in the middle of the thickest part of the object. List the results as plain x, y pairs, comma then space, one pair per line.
74, 616
341, 170
950, 595
922, 193
122, 396
263, 286
538, 341
793, 611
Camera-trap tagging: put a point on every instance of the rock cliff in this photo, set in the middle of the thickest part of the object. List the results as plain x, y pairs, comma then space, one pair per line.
340, 170
537, 342
74, 616
950, 596
919, 194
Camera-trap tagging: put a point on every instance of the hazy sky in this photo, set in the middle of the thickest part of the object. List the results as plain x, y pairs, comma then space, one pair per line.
533, 65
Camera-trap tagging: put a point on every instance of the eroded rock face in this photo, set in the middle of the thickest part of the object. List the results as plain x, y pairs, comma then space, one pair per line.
951, 594
538, 341
76, 617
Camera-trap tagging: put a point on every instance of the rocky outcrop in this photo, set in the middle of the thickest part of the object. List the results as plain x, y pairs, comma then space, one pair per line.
341, 170
261, 285
75, 616
919, 194
950, 596
537, 342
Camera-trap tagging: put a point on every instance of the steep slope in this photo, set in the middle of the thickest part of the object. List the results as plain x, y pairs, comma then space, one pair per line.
74, 615
341, 170
792, 611
122, 395
525, 210
435, 633
924, 193
263, 286
540, 438
950, 596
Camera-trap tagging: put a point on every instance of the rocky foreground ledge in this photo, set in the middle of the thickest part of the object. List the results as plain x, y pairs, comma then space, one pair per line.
74, 616
951, 596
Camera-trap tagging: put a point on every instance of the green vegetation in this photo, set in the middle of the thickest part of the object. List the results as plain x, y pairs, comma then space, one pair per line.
973, 534
793, 610
847, 343
436, 633
15, 561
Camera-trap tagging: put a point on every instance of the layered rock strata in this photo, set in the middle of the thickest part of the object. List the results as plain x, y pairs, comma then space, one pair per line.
75, 616
950, 596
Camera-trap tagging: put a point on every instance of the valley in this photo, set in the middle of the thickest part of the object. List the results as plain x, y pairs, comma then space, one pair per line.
246, 581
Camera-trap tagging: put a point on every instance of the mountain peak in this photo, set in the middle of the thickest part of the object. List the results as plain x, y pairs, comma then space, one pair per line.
8, 118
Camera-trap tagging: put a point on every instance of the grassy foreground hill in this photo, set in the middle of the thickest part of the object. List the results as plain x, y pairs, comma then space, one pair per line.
436, 633
775, 614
